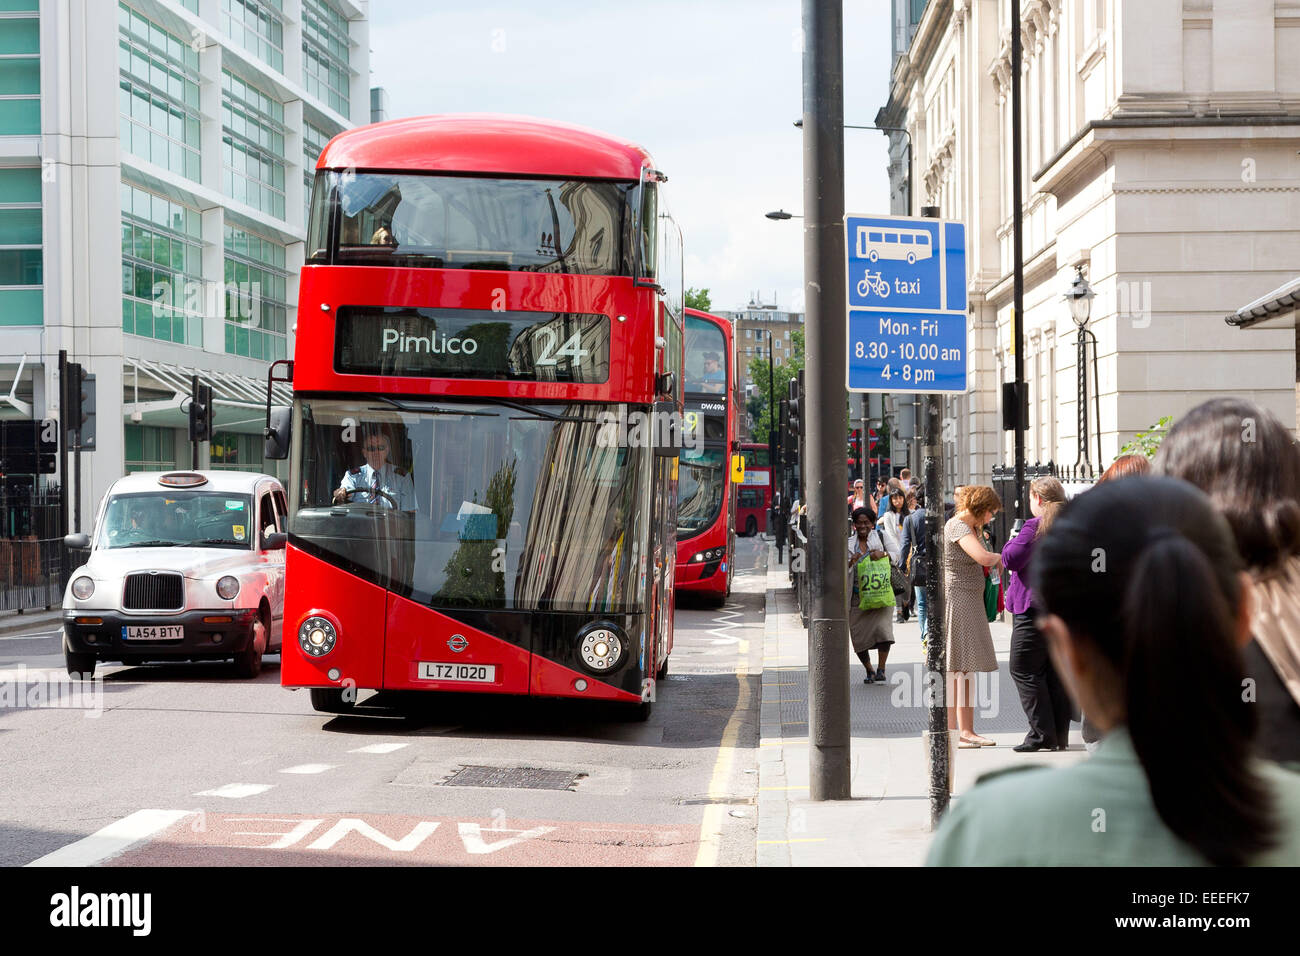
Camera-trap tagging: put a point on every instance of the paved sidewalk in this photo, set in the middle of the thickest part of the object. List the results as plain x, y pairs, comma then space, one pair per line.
887, 821
12, 622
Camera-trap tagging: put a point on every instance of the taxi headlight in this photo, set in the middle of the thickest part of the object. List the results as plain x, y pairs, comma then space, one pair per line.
317, 636
83, 588
228, 587
601, 649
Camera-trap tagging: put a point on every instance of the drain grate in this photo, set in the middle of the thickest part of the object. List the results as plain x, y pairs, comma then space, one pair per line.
514, 778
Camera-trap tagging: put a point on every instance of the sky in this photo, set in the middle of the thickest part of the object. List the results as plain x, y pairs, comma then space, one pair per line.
711, 88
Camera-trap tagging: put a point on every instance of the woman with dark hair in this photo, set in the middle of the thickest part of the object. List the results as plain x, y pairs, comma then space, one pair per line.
1144, 600
1247, 462
1042, 695
891, 532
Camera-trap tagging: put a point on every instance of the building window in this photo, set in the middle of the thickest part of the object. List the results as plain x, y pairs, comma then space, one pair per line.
21, 256
256, 310
149, 448
162, 289
325, 71
235, 451
313, 144
252, 146
158, 95
256, 26
20, 70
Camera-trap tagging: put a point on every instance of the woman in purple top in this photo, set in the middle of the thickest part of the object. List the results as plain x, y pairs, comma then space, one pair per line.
1042, 695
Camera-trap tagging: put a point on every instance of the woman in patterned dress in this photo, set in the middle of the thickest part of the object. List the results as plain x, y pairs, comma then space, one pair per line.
970, 644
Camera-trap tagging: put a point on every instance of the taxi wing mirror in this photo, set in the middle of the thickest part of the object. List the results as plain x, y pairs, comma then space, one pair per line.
78, 542
274, 541
279, 428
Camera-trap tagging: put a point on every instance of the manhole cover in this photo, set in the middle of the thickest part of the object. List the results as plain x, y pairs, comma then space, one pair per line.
514, 778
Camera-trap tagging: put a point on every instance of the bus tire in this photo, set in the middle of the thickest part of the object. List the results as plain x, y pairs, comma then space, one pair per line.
79, 665
751, 527
330, 700
663, 670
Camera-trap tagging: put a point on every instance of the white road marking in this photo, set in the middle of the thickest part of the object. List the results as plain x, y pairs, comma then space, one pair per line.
309, 768
114, 839
378, 748
236, 790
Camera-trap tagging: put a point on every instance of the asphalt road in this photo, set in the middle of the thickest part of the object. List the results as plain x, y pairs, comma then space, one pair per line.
187, 765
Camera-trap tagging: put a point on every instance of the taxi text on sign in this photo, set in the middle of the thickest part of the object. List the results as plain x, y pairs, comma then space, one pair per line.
907, 304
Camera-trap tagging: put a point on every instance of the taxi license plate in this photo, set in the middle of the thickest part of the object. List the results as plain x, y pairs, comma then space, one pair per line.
468, 673
153, 632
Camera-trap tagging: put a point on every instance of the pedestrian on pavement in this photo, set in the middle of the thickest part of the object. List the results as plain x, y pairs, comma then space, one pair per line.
1254, 482
1150, 649
950, 508
870, 629
913, 554
1046, 704
858, 499
882, 494
891, 532
970, 643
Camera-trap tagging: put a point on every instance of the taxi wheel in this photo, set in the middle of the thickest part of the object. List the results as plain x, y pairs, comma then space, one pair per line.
641, 712
330, 700
79, 665
248, 662
663, 671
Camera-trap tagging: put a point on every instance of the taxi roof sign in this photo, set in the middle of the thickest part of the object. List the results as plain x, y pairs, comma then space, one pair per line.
182, 479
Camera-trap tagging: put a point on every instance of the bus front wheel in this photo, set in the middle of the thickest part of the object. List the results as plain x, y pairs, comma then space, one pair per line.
331, 700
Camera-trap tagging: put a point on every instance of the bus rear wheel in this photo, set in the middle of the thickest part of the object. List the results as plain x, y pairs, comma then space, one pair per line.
331, 700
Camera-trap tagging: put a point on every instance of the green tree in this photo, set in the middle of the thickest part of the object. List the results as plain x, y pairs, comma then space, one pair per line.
758, 401
698, 299
1148, 442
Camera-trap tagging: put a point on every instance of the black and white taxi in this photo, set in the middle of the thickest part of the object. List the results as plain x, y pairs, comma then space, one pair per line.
183, 566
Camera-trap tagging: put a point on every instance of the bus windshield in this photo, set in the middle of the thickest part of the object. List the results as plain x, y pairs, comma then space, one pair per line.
706, 350
474, 504
701, 481
472, 222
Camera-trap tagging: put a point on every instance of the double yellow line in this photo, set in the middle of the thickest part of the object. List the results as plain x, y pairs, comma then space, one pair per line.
711, 827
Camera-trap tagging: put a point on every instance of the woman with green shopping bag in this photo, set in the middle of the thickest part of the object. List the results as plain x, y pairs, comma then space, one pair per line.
871, 600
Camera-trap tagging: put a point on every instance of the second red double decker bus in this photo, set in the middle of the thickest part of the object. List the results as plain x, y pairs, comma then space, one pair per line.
706, 488
490, 308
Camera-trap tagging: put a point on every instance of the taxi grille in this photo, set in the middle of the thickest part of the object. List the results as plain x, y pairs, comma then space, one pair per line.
154, 592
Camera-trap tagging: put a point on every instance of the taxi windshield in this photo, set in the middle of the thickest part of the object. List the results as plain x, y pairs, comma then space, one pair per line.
190, 519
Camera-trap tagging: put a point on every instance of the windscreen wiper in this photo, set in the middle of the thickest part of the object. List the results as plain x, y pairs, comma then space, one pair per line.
152, 544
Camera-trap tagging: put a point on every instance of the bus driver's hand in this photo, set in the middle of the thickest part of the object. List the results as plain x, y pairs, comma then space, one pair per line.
340, 496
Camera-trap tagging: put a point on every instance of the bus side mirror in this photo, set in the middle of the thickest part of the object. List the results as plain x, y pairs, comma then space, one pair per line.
667, 430
278, 431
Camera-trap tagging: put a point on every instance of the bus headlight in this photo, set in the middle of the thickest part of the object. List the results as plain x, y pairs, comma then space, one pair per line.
228, 587
317, 636
83, 588
601, 649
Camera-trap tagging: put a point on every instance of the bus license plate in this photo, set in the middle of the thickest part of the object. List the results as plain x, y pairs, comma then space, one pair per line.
153, 632
471, 673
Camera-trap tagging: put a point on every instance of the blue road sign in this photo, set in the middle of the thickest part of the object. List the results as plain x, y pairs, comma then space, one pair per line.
907, 304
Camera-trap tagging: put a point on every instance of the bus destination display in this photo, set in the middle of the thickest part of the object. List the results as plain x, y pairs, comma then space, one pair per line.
472, 343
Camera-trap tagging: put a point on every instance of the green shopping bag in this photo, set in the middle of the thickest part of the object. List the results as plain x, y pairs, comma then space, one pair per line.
874, 588
990, 596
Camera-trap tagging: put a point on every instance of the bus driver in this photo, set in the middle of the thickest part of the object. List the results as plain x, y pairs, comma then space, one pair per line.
377, 481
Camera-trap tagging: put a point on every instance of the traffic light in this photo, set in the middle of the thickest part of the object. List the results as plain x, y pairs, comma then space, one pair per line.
86, 419
71, 388
200, 412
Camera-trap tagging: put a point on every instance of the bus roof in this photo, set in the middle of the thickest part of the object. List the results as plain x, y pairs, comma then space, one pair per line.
485, 143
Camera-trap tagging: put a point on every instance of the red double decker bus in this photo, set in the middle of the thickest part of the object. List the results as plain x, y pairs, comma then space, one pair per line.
754, 497
490, 324
706, 487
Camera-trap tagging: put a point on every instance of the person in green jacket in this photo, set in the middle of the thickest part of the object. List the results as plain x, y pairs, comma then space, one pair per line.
1145, 603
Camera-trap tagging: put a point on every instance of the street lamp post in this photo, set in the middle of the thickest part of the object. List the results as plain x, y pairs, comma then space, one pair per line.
1080, 296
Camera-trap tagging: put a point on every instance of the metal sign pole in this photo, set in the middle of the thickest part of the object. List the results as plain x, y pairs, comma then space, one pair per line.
823, 178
